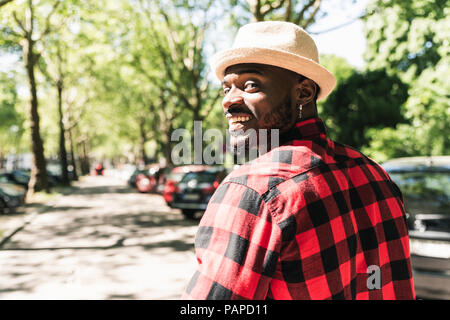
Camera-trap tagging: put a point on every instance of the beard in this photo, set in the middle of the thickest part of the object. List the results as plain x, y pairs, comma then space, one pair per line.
249, 140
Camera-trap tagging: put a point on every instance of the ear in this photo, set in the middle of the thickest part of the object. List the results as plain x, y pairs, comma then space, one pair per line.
305, 91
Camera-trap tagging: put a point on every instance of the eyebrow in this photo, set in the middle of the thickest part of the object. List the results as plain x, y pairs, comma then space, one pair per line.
239, 72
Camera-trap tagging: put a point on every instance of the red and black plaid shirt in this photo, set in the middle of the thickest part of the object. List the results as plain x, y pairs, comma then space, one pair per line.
304, 221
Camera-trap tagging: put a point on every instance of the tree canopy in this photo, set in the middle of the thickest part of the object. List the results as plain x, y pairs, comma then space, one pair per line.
113, 79
410, 39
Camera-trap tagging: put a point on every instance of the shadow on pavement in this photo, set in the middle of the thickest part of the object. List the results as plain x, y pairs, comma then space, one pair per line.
98, 190
177, 245
100, 241
106, 217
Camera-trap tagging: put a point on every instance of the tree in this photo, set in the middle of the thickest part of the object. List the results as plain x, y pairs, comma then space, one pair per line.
25, 26
409, 39
55, 64
339, 66
4, 2
166, 50
11, 128
300, 12
406, 37
56, 78
427, 131
362, 101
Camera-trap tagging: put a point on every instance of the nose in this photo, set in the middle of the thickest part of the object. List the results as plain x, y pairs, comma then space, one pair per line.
233, 97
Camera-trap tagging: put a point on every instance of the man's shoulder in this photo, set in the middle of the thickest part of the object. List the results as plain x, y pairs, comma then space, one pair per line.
275, 167
350, 157
292, 162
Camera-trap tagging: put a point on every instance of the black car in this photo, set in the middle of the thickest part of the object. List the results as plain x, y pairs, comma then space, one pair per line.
22, 177
195, 189
425, 184
11, 196
16, 177
54, 174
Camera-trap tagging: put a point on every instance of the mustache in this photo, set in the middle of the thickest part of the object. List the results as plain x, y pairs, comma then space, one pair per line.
237, 109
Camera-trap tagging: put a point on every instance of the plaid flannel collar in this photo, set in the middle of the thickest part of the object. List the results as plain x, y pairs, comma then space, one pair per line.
309, 129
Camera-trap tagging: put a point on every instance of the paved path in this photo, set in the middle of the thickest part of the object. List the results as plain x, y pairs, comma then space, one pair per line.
102, 241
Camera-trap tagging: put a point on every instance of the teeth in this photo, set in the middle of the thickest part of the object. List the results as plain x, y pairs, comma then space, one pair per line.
240, 119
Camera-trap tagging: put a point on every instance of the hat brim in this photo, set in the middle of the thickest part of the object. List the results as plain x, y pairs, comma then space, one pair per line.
301, 65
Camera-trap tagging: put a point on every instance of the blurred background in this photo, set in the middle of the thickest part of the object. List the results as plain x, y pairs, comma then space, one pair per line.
90, 92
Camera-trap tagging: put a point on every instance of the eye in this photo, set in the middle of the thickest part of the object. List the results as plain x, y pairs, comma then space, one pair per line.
250, 86
226, 90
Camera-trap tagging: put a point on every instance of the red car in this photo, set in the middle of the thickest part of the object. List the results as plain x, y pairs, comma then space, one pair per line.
99, 169
175, 176
148, 180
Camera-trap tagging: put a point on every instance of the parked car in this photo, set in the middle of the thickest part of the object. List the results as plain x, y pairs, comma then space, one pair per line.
54, 173
149, 179
175, 176
99, 169
425, 184
53, 178
164, 173
22, 176
195, 189
18, 177
132, 179
11, 196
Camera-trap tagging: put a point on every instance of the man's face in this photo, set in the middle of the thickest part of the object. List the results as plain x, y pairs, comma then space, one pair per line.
258, 97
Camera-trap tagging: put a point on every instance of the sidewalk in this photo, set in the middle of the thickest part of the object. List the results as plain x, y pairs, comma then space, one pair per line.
12, 223
102, 241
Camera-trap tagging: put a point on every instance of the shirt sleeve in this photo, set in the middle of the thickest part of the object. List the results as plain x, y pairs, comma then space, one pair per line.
237, 247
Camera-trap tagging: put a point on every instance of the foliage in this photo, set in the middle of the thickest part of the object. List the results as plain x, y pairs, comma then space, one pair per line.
410, 39
163, 67
364, 100
407, 36
428, 113
340, 68
135, 70
300, 12
11, 121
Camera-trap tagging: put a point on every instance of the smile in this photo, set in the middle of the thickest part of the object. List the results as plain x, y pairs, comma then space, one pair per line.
239, 119
238, 122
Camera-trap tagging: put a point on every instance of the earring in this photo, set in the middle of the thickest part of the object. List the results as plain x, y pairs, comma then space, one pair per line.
300, 109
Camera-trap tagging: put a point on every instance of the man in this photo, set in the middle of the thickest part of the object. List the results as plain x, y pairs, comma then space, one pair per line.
310, 219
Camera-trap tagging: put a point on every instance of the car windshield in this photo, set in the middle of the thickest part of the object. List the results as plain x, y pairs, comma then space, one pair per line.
424, 192
201, 177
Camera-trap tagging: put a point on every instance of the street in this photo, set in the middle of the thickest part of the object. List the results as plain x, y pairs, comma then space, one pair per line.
104, 240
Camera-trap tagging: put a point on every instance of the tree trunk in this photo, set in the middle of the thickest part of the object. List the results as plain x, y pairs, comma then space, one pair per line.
85, 165
196, 112
167, 150
166, 143
142, 140
73, 162
62, 140
38, 178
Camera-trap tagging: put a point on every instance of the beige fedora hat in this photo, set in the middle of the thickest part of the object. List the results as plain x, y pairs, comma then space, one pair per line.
276, 43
